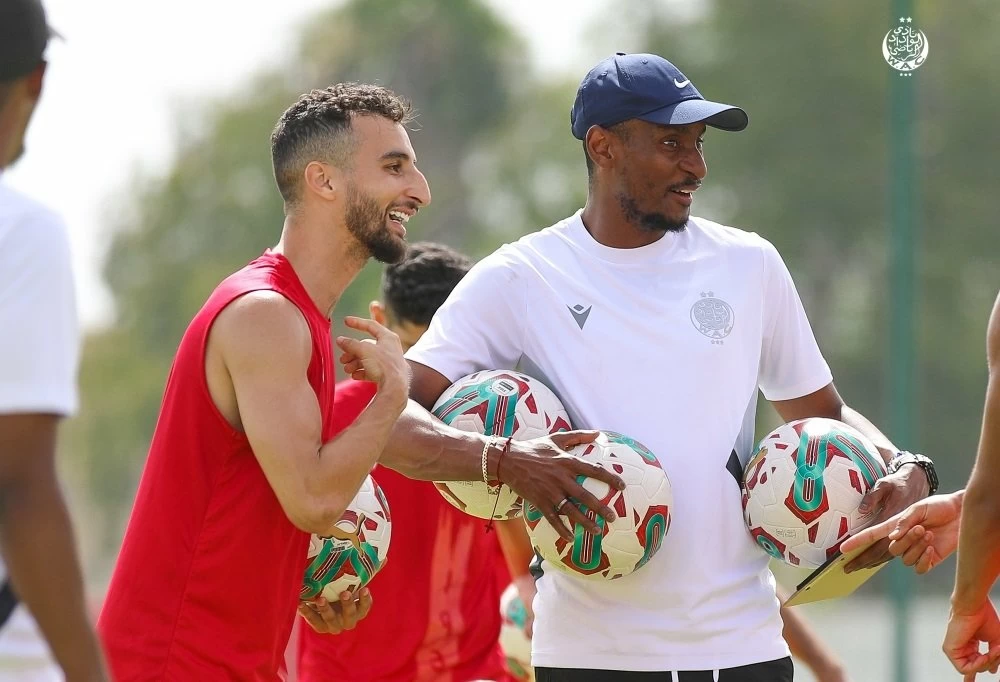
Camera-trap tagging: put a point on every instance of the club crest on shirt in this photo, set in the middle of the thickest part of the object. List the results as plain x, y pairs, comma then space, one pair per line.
712, 316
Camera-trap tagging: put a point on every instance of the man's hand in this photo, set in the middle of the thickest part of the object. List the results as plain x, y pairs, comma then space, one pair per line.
332, 619
924, 534
891, 495
965, 632
545, 475
379, 361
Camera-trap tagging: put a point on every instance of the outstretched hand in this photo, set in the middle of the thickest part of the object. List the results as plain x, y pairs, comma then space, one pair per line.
544, 474
891, 495
923, 534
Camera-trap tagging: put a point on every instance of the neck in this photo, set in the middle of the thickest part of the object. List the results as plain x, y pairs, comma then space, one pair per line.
325, 266
607, 223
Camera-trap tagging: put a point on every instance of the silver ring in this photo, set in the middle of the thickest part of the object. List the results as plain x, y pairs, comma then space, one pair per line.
562, 504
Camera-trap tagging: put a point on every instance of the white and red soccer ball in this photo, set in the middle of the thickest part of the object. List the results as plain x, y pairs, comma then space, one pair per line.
355, 550
803, 486
643, 509
514, 641
498, 403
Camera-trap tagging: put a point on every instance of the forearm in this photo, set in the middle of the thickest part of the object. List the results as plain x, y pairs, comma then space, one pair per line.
37, 543
344, 462
979, 547
858, 421
979, 534
425, 448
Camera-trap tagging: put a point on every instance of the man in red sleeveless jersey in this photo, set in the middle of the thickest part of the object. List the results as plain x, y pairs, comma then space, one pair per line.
437, 617
244, 462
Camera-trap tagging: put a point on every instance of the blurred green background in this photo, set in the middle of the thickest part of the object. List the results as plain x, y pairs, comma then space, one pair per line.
811, 174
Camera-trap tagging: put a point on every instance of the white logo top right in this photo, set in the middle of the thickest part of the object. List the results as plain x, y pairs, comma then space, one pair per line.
904, 47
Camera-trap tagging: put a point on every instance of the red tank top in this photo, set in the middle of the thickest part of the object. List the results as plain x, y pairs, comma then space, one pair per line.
436, 604
206, 584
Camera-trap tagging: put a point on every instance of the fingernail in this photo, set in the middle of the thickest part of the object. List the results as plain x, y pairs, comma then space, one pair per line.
894, 534
345, 596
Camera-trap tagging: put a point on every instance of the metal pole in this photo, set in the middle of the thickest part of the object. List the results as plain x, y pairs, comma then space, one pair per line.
902, 326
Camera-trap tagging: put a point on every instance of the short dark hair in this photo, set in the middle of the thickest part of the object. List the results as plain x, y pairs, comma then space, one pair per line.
415, 288
317, 127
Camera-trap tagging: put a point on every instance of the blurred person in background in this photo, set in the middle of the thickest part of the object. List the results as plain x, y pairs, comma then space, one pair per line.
437, 616
967, 520
38, 364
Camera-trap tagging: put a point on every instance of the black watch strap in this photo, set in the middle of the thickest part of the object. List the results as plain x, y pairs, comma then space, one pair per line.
903, 458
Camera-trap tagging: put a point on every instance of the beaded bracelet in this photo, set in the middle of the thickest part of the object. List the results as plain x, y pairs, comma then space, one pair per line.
492, 442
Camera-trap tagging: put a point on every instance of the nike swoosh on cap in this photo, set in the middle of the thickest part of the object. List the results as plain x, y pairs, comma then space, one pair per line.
682, 84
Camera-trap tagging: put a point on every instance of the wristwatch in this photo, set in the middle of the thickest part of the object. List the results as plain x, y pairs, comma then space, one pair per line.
903, 458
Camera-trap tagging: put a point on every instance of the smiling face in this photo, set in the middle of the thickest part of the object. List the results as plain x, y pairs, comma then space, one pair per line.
385, 188
373, 190
655, 171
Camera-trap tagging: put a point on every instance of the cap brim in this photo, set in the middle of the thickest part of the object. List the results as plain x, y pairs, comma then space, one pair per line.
721, 116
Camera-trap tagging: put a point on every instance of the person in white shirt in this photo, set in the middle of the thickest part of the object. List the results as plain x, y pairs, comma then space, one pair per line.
38, 361
663, 326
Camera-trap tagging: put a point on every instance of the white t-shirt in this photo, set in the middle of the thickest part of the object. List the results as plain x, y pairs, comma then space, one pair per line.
667, 343
39, 349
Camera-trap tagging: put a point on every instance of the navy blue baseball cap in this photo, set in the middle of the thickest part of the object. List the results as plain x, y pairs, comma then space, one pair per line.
647, 87
24, 33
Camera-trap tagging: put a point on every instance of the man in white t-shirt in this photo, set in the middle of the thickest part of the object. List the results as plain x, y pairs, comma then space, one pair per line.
650, 322
38, 360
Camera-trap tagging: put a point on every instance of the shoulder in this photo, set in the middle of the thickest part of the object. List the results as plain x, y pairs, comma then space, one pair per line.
525, 253
262, 323
726, 236
30, 231
737, 243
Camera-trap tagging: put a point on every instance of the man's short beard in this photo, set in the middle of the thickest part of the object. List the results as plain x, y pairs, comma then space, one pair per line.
366, 221
648, 222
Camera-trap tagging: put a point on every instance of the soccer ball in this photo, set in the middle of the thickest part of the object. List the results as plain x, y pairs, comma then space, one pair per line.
643, 510
802, 488
514, 642
499, 403
356, 549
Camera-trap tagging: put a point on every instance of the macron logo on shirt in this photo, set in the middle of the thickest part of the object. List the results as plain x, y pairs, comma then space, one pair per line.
580, 314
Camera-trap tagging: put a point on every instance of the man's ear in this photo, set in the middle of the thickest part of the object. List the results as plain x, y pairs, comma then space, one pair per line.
376, 311
34, 80
322, 180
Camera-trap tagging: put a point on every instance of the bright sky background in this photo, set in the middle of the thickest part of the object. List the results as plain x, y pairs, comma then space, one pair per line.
113, 88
